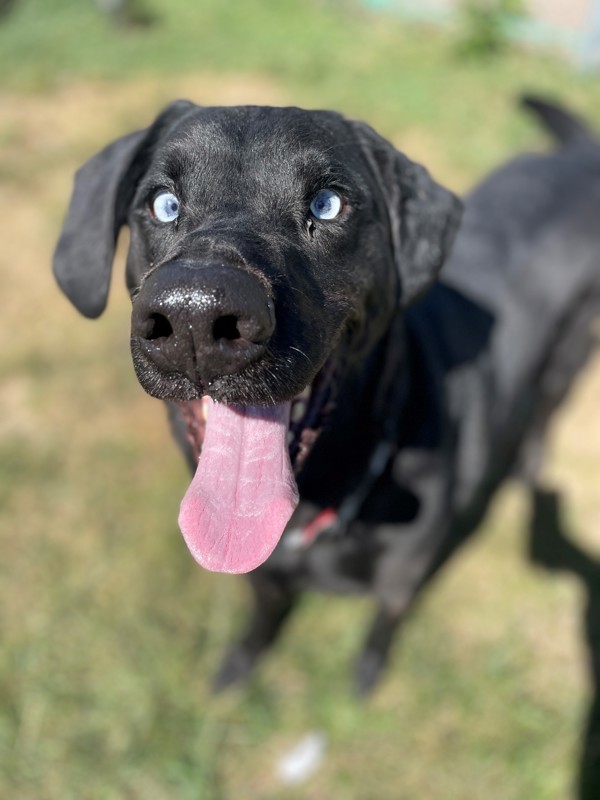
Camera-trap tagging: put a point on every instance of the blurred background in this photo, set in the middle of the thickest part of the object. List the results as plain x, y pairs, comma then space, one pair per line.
110, 632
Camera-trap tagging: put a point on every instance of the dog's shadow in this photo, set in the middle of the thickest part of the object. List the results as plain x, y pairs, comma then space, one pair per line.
551, 549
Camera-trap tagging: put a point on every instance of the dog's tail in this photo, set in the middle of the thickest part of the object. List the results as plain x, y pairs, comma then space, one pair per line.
566, 127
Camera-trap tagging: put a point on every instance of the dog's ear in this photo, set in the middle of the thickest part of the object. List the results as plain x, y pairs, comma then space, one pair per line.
103, 191
424, 217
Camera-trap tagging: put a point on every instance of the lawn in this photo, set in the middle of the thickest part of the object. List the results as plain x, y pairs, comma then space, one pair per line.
110, 632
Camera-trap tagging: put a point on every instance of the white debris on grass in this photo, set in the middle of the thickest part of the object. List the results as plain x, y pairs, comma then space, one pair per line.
303, 760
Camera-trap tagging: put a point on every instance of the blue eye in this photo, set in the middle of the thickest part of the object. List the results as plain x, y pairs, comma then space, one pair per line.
326, 204
165, 207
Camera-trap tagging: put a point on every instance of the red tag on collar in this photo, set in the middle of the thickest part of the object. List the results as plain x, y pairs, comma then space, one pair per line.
324, 519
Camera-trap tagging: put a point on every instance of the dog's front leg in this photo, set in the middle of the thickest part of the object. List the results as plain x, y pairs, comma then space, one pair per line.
375, 653
273, 602
409, 557
398, 581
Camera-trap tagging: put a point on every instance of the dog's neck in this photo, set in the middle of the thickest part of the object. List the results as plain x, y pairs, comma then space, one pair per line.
343, 468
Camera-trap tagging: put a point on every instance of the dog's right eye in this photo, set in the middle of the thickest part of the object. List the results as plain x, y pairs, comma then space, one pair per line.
165, 207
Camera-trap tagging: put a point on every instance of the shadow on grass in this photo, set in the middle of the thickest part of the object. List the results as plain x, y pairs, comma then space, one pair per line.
553, 550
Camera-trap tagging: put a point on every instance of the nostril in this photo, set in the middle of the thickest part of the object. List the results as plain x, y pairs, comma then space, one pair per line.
158, 327
226, 327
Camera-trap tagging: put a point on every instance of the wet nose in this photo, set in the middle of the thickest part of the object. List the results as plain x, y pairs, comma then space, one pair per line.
203, 321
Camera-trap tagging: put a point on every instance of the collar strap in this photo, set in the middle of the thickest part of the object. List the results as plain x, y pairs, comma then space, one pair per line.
388, 405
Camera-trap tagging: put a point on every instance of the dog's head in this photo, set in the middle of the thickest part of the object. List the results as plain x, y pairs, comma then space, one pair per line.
268, 246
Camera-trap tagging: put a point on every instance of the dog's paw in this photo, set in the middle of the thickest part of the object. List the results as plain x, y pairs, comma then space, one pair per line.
368, 671
235, 668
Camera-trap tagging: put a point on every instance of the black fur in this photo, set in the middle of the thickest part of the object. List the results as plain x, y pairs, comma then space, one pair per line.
460, 381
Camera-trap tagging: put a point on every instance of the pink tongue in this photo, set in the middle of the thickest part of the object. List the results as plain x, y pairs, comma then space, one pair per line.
243, 492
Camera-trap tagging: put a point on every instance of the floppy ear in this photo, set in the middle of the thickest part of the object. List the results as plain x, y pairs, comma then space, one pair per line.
424, 217
103, 191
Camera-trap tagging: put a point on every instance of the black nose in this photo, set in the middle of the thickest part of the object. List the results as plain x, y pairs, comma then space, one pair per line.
202, 321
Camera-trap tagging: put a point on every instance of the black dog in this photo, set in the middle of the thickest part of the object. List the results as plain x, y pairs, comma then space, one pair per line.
279, 267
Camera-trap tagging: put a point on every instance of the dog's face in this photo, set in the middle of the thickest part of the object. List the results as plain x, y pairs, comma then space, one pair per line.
270, 248
267, 199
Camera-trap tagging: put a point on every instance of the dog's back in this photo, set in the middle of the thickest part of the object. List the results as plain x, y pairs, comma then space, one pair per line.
529, 252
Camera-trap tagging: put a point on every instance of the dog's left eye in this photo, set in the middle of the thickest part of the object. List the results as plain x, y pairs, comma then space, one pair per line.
326, 204
165, 207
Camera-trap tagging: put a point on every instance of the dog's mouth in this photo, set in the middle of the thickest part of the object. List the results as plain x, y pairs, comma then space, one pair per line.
244, 491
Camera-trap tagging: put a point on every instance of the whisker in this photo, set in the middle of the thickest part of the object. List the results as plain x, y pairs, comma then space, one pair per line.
302, 353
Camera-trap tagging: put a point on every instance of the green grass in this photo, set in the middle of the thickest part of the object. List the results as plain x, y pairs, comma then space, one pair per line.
321, 53
110, 631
